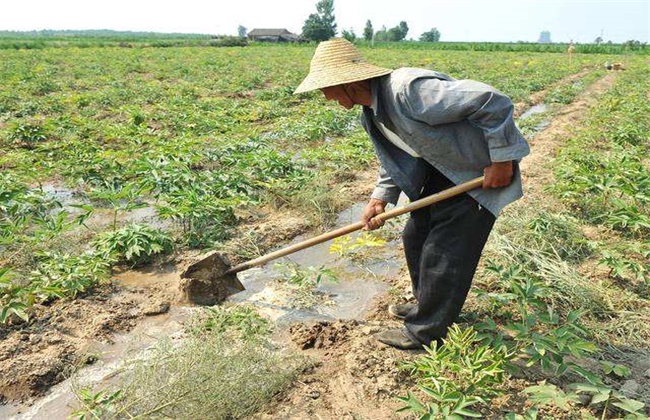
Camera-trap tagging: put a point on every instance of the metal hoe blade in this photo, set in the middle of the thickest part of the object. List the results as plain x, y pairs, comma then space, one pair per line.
208, 281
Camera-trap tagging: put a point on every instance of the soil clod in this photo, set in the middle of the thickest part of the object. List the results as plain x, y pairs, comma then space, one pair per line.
322, 335
207, 282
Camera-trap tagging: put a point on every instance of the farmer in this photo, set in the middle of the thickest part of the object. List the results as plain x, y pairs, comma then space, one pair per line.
430, 132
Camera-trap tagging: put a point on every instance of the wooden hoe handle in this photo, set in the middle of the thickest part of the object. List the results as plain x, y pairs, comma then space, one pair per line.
397, 211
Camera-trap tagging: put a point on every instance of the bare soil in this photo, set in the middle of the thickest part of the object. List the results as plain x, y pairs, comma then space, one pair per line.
355, 377
40, 354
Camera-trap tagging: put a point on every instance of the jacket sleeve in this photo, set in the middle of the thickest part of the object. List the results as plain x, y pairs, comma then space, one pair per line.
385, 189
434, 101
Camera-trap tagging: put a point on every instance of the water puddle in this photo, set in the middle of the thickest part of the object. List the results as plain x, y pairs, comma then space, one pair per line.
348, 298
66, 197
537, 120
146, 215
69, 198
536, 109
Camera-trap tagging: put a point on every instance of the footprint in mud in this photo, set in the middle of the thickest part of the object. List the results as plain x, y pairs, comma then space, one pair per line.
322, 335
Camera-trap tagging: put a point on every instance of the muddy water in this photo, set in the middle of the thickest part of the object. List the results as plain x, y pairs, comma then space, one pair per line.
534, 110
60, 401
537, 109
66, 197
101, 216
347, 298
167, 274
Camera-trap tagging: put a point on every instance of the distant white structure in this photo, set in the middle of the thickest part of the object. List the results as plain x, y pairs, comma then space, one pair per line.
544, 37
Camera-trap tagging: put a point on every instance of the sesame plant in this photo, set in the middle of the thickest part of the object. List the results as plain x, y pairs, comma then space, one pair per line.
121, 199
96, 405
28, 135
134, 244
14, 298
355, 247
462, 373
56, 275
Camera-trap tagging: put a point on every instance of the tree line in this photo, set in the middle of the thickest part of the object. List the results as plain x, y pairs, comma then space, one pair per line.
321, 26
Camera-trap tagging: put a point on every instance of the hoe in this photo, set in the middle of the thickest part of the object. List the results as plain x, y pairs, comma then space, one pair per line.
212, 280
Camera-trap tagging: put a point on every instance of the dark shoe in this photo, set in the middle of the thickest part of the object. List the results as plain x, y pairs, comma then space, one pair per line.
400, 311
398, 339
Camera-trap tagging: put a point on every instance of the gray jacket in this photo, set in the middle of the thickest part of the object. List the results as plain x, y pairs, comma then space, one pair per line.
458, 126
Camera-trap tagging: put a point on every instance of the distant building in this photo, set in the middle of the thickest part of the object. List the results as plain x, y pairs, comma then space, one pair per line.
273, 35
545, 37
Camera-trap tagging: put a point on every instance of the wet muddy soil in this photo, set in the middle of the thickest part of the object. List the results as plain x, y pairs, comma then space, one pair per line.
79, 334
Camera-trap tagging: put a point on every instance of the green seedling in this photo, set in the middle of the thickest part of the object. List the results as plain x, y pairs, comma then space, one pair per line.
353, 246
241, 321
121, 199
134, 244
456, 376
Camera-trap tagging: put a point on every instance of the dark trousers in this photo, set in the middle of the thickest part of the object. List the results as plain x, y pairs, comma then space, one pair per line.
443, 244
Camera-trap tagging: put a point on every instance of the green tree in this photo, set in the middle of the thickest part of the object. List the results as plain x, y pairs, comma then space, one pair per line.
320, 26
349, 35
242, 31
404, 29
397, 33
381, 35
633, 44
394, 34
368, 31
430, 36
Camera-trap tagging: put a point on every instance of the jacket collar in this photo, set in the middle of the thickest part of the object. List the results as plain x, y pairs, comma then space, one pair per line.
376, 87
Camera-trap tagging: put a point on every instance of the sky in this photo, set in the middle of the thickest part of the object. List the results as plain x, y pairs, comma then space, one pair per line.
581, 21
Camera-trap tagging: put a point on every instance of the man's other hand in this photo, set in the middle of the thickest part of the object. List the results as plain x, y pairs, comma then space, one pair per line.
373, 208
497, 175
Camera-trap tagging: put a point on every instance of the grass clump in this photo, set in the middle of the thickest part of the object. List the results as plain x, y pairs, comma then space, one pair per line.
560, 233
226, 368
241, 322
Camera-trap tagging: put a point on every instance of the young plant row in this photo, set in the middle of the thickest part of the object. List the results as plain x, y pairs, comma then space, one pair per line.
41, 262
193, 134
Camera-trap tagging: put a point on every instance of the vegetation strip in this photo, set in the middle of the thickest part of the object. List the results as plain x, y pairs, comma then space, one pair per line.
104, 132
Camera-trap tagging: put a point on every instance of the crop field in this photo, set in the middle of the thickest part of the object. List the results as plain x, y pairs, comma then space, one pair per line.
117, 159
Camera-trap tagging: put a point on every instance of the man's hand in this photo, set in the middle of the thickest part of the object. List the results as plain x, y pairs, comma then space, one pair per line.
497, 175
373, 208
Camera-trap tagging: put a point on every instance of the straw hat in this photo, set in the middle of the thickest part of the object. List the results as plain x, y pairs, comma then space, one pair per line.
336, 62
